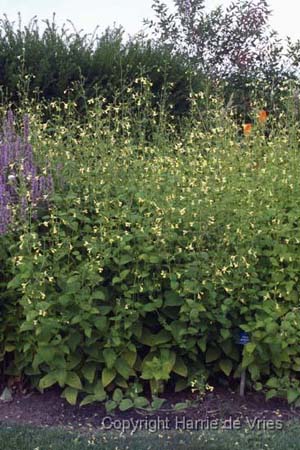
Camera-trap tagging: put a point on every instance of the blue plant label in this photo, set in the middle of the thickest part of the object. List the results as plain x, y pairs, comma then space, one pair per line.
244, 338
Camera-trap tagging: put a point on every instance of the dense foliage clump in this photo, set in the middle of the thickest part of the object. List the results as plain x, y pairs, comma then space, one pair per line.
62, 63
151, 258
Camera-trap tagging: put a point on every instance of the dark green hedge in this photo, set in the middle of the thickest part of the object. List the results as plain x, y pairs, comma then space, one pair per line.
54, 60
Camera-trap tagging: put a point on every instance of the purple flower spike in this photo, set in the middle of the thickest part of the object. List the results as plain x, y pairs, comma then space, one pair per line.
18, 172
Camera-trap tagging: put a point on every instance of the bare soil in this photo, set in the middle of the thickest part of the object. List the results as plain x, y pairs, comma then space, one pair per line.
50, 410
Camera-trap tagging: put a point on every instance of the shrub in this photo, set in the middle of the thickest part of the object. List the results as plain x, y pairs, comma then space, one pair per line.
63, 64
160, 244
151, 259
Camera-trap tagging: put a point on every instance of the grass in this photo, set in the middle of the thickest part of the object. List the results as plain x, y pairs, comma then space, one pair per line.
21, 438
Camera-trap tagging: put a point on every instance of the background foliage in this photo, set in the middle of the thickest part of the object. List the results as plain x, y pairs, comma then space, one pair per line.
59, 63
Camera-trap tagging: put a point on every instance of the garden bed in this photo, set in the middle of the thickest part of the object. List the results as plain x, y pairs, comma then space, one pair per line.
223, 404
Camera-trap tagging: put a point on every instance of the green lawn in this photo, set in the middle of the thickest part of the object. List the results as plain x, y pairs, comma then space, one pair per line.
21, 438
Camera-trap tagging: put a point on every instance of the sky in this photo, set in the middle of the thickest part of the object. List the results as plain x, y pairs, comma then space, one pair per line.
87, 14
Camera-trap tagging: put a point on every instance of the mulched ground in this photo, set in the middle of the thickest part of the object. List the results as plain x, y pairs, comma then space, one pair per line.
49, 409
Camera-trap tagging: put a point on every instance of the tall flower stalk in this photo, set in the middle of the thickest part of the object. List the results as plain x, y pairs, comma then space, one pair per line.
22, 188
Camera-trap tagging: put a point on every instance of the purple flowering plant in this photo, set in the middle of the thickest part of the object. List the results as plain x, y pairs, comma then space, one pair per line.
22, 187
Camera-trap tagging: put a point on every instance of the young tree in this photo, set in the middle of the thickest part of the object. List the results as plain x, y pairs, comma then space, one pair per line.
234, 44
221, 41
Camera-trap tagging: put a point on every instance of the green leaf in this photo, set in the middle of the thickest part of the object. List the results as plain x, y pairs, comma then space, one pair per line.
9, 348
99, 391
157, 403
226, 366
130, 357
138, 329
61, 375
194, 314
152, 340
271, 394
181, 385
46, 353
70, 394
74, 340
250, 347
202, 344
178, 330
98, 295
15, 282
117, 395
109, 357
172, 299
254, 370
126, 404
292, 395
180, 368
168, 359
273, 383
73, 380
73, 361
48, 380
101, 323
108, 375
88, 400
105, 310
141, 402
154, 259
125, 259
110, 406
124, 274
123, 368
225, 333
149, 307
119, 381
212, 354
248, 358
89, 372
